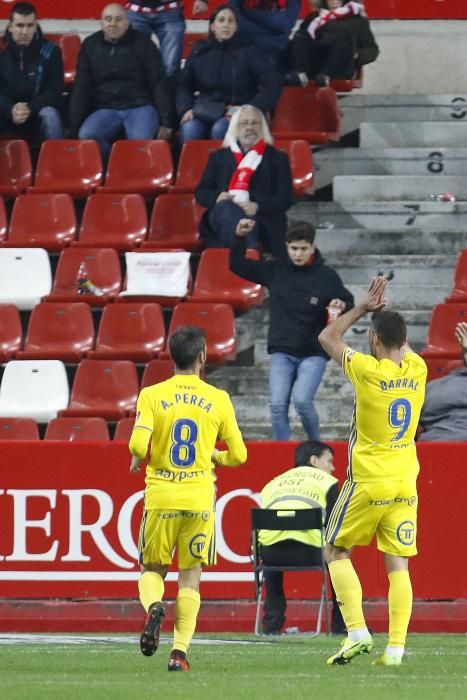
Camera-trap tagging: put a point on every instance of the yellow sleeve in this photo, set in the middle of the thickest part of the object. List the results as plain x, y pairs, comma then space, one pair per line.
143, 427
355, 364
229, 432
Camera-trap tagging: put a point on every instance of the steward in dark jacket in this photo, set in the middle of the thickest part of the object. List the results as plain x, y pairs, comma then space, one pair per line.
230, 72
119, 75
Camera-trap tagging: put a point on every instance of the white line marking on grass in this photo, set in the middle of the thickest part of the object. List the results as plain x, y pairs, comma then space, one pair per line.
80, 639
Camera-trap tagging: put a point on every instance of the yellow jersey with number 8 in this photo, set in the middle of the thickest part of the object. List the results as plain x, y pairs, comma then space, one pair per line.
388, 402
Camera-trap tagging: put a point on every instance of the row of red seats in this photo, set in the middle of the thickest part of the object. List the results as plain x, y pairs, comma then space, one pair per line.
75, 167
69, 429
442, 353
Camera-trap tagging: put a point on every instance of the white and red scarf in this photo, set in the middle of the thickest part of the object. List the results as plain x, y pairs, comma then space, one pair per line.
246, 165
325, 16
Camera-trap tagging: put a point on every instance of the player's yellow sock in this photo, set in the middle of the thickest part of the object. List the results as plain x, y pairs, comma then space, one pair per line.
348, 593
151, 589
186, 611
400, 607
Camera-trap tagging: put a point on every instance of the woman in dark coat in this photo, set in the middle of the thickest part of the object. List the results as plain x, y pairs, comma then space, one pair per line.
226, 74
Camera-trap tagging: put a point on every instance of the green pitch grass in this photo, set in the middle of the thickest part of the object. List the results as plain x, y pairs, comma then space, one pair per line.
286, 668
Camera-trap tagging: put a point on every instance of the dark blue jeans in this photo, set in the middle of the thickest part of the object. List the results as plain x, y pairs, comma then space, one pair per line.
223, 220
169, 27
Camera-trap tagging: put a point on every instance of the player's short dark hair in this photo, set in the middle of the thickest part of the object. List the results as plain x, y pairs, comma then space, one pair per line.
185, 344
300, 231
390, 327
23, 8
306, 450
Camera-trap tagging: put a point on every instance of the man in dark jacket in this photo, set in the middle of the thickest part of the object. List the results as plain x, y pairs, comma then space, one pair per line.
120, 85
246, 178
300, 288
31, 79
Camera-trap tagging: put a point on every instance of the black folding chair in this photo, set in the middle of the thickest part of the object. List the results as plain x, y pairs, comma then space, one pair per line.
286, 519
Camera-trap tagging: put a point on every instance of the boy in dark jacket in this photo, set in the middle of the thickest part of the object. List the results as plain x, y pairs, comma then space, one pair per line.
300, 288
31, 79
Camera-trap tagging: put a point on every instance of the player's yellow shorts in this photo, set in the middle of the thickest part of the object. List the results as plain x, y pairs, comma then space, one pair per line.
387, 509
192, 533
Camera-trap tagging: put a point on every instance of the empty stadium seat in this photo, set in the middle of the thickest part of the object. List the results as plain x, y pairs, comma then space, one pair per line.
15, 167
174, 223
157, 371
73, 429
70, 45
441, 341
43, 220
18, 429
215, 283
301, 164
25, 276
130, 332
3, 221
62, 331
35, 389
459, 290
124, 429
114, 221
309, 114
106, 388
439, 367
73, 166
10, 331
102, 267
144, 167
193, 159
219, 323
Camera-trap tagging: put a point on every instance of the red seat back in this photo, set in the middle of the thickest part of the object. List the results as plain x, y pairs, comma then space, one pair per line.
130, 331
219, 324
175, 223
3, 221
157, 371
441, 340
114, 221
190, 39
310, 114
124, 429
10, 331
70, 44
439, 367
193, 159
72, 166
77, 429
144, 167
18, 429
15, 167
102, 267
43, 221
301, 164
459, 290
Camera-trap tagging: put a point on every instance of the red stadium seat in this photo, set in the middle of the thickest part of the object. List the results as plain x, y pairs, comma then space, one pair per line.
10, 331
191, 164
190, 39
215, 283
309, 114
15, 167
344, 85
3, 221
43, 221
439, 367
441, 340
114, 221
174, 223
157, 371
124, 429
70, 45
459, 290
130, 332
71, 166
106, 388
59, 332
142, 167
301, 164
18, 429
77, 429
219, 323
102, 266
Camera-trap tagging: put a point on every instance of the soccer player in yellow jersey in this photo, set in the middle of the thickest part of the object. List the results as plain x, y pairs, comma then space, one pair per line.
182, 418
379, 497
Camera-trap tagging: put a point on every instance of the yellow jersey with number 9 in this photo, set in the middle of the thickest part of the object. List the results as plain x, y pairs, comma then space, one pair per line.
184, 416
388, 402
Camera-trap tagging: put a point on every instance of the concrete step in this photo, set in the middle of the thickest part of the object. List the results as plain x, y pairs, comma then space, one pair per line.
413, 134
261, 430
331, 409
387, 215
388, 161
377, 188
408, 242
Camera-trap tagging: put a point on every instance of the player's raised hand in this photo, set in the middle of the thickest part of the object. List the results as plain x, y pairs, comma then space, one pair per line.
244, 227
375, 299
461, 335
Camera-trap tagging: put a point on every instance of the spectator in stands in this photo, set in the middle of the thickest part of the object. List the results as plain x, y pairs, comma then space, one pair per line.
300, 287
267, 24
248, 177
308, 485
31, 79
331, 42
225, 74
444, 413
165, 19
120, 85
